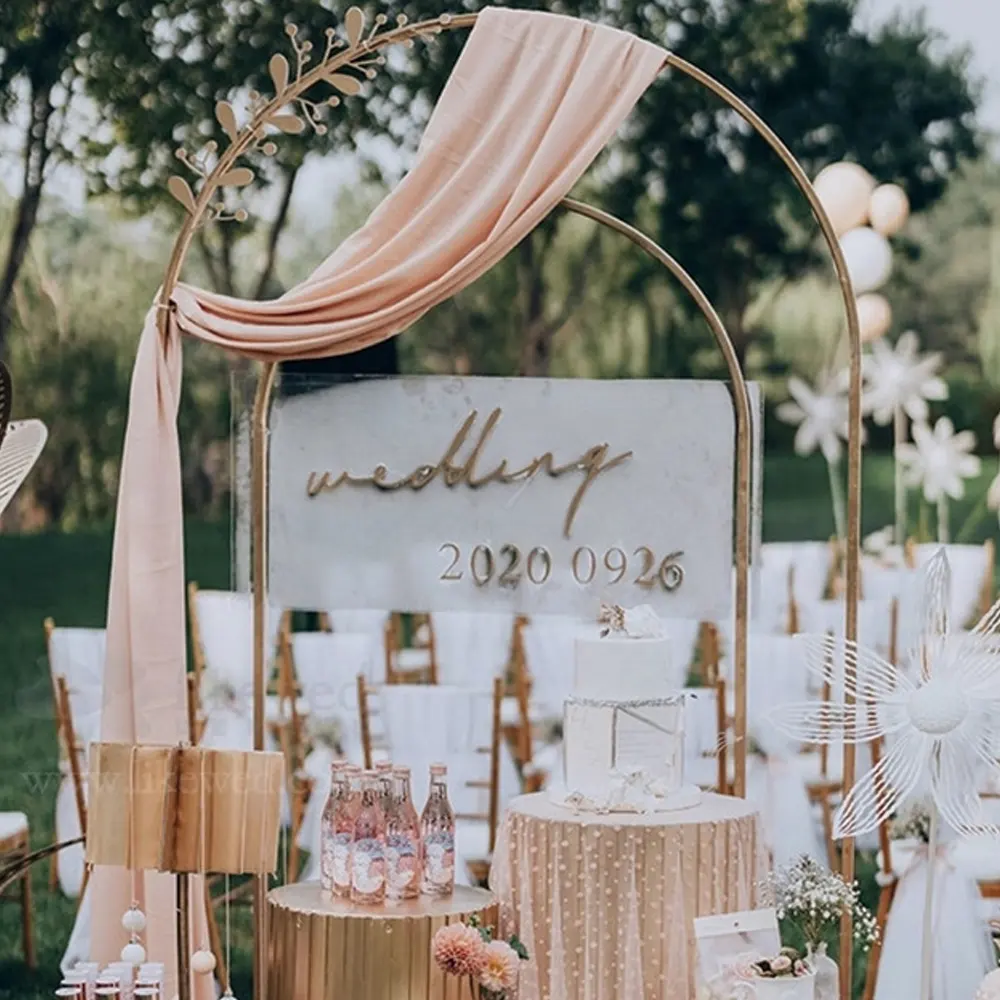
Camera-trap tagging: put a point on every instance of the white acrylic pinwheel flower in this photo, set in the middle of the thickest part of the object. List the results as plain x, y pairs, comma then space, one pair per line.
898, 377
939, 460
821, 416
939, 714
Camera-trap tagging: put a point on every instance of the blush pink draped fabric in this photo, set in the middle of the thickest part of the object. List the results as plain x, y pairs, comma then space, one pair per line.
533, 99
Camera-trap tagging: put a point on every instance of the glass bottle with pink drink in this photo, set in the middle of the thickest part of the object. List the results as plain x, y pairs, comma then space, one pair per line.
437, 832
368, 852
402, 841
383, 771
336, 803
343, 831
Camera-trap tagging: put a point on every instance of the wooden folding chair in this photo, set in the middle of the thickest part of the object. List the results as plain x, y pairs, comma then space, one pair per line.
521, 737
479, 868
276, 681
366, 711
15, 843
71, 751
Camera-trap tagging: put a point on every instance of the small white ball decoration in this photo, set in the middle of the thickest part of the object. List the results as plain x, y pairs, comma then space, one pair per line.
134, 920
133, 953
203, 962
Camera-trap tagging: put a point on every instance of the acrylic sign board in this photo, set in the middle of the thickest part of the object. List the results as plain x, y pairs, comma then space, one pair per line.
541, 496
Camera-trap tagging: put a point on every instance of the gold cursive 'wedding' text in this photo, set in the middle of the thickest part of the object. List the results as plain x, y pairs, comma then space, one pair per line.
453, 471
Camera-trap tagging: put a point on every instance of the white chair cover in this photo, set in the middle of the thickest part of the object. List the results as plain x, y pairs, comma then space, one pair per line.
962, 951
874, 621
471, 648
78, 655
776, 786
359, 620
327, 665
777, 675
426, 724
969, 566
701, 736
811, 561
549, 652
78, 946
225, 629
683, 634
372, 622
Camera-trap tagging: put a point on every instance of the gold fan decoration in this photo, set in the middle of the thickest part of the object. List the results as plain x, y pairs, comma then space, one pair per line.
347, 61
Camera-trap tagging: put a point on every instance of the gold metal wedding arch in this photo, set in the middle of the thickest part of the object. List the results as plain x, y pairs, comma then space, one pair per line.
348, 59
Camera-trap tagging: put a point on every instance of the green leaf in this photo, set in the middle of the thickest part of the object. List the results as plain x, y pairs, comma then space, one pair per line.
226, 117
289, 123
354, 24
349, 85
278, 68
181, 190
238, 177
515, 942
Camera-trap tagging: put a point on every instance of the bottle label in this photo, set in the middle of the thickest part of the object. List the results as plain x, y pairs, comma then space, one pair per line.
402, 863
439, 863
368, 867
340, 849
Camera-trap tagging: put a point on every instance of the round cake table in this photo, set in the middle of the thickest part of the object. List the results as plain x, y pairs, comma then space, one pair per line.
322, 949
605, 904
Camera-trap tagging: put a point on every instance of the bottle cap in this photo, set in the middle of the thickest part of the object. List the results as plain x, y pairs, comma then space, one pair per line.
384, 765
401, 771
439, 769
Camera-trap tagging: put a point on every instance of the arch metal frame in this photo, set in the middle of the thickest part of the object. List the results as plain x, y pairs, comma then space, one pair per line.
200, 207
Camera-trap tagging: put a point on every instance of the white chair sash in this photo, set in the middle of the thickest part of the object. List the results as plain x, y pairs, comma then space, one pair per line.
471, 648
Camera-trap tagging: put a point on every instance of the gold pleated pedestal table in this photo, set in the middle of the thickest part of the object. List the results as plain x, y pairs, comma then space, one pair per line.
324, 949
605, 903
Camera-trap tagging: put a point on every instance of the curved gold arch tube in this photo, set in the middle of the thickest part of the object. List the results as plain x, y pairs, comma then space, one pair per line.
741, 402
744, 461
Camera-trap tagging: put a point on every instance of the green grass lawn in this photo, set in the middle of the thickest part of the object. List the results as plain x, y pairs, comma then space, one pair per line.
66, 577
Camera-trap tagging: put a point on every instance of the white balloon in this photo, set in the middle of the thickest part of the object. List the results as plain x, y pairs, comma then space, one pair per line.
869, 259
889, 209
874, 316
133, 953
845, 191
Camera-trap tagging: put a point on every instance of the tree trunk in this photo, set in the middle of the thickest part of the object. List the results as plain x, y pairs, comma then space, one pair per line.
536, 353
36, 154
274, 233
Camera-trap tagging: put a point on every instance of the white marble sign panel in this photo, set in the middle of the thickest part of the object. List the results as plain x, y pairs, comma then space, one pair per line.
540, 496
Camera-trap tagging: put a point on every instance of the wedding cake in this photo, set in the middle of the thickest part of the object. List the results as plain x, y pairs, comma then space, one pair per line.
623, 728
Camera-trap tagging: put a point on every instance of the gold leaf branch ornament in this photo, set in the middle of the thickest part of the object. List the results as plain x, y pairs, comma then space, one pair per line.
345, 64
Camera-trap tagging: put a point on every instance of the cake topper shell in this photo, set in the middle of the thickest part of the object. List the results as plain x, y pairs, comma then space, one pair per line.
635, 623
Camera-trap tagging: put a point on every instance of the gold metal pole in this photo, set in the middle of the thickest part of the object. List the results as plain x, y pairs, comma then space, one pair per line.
183, 937
258, 585
853, 540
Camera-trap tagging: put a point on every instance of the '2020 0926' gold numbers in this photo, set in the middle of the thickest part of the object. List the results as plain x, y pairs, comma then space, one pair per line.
509, 567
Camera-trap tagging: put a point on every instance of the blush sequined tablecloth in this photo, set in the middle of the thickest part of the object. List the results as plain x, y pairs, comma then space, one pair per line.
605, 904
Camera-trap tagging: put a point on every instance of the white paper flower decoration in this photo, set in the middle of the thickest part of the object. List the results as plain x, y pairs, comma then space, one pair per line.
993, 493
940, 460
938, 714
899, 377
821, 416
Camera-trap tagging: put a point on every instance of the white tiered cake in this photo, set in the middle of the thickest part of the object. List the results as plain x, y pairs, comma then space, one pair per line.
623, 729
